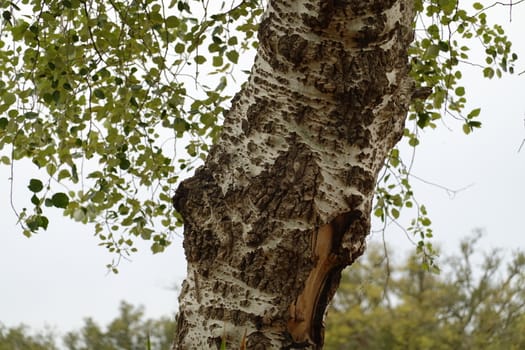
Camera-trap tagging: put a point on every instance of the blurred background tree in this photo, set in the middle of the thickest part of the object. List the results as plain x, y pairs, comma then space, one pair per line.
128, 331
20, 338
475, 303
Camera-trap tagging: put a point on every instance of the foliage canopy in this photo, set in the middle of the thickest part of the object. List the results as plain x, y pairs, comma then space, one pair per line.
114, 100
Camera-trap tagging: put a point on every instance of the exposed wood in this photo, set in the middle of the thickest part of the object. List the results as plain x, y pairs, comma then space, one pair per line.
307, 312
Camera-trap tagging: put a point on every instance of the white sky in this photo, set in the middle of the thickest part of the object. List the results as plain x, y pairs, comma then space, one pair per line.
58, 277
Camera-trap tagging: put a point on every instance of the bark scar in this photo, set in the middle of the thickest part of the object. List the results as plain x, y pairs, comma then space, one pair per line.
307, 312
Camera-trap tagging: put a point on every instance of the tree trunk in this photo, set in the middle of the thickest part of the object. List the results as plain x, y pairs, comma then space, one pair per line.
283, 201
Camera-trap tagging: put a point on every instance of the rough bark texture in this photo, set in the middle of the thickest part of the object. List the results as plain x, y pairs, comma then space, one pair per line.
283, 201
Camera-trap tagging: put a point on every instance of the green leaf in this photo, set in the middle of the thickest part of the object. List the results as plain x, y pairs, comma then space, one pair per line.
9, 98
51, 169
36, 222
30, 115
460, 91
474, 113
431, 52
477, 6
233, 56
172, 22
423, 119
395, 213
179, 48
413, 141
60, 200
199, 59
474, 124
443, 46
217, 61
180, 125
35, 200
394, 157
124, 163
488, 73
35, 185
63, 174
157, 248
7, 16
99, 94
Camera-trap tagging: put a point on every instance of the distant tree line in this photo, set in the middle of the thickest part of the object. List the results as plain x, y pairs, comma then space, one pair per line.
477, 302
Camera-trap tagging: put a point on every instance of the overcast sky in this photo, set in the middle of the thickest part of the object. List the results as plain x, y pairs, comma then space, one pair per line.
58, 277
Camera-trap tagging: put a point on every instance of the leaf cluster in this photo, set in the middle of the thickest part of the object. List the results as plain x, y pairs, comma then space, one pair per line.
445, 36
107, 99
446, 33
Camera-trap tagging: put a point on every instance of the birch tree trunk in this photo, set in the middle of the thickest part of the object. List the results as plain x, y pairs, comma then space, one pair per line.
283, 201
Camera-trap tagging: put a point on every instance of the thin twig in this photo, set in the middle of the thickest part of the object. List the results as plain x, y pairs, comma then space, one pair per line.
511, 4
451, 192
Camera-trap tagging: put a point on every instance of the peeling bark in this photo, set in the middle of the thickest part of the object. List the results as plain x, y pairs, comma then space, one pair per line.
283, 201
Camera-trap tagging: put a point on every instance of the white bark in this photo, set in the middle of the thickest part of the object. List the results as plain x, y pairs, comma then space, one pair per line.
283, 201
